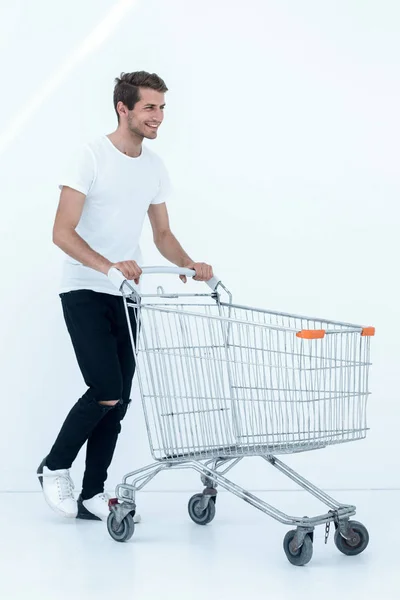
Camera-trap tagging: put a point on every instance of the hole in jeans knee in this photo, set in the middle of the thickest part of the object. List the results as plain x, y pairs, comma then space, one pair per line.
108, 402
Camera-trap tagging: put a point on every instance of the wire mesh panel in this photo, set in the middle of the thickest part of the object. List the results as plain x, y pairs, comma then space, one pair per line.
293, 393
221, 380
184, 380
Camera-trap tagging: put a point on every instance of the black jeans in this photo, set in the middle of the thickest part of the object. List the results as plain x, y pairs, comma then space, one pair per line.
100, 336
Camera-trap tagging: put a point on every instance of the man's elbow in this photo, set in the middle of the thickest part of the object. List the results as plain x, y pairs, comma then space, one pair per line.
59, 235
160, 235
56, 236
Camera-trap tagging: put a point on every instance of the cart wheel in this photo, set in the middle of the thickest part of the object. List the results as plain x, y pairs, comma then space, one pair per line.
303, 555
357, 544
199, 516
122, 532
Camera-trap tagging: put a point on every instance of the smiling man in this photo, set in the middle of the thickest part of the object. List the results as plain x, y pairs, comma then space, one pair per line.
105, 196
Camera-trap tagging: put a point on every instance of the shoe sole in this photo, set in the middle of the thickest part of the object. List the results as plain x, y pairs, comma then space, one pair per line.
57, 510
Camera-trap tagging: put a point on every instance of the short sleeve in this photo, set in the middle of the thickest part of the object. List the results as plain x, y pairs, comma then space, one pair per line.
164, 187
79, 174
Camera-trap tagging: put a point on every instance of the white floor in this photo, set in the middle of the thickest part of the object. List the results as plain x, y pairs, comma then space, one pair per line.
239, 555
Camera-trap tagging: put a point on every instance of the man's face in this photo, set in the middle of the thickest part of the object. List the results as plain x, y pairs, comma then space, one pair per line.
148, 114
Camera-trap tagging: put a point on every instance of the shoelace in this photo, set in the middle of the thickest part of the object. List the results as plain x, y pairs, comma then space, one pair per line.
104, 497
65, 486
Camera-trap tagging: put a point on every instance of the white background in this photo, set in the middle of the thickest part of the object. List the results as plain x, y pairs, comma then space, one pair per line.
281, 137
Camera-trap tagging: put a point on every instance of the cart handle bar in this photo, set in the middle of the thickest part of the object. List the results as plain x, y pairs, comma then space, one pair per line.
118, 279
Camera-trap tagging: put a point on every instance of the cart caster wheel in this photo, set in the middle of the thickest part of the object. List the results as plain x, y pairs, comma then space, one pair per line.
199, 516
357, 544
303, 555
122, 532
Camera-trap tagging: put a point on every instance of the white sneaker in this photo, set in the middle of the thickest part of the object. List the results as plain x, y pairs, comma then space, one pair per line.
98, 506
58, 490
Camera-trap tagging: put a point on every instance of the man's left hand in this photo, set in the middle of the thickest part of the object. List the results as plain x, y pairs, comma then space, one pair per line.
204, 272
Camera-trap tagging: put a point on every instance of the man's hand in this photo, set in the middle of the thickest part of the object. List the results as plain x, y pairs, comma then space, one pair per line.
204, 272
130, 270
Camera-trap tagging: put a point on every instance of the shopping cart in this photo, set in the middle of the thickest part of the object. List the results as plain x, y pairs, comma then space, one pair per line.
220, 382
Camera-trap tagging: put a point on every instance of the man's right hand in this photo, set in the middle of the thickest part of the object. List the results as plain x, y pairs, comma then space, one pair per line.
130, 270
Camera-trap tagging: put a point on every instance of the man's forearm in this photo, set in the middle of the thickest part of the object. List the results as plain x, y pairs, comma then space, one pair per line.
171, 249
72, 244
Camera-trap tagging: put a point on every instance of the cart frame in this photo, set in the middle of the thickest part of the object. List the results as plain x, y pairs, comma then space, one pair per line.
213, 463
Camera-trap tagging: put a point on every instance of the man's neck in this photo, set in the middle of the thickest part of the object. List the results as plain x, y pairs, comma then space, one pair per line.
127, 142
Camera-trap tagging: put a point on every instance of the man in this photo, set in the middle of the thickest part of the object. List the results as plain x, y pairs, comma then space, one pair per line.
104, 199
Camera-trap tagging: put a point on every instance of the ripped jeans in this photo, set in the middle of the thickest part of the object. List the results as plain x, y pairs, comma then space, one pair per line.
99, 333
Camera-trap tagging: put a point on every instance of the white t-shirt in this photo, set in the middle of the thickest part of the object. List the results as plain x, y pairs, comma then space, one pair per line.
119, 190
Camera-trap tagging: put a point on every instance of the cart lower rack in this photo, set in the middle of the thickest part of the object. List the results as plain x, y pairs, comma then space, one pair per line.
221, 382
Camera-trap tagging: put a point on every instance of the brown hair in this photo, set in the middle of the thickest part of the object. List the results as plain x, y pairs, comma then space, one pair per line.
127, 86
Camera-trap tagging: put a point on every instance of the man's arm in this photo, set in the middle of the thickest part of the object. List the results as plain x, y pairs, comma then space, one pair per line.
169, 246
65, 237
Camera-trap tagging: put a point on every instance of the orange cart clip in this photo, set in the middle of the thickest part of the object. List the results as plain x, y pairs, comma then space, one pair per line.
368, 331
311, 334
